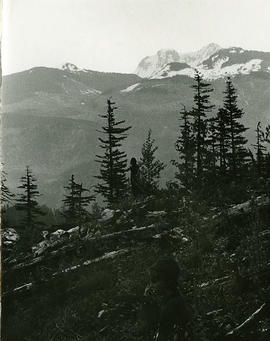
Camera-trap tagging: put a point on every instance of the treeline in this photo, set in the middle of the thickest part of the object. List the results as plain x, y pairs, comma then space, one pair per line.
30, 217
213, 153
213, 161
113, 181
212, 144
24, 212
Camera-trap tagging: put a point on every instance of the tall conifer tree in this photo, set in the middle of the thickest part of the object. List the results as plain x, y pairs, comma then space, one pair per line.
150, 167
267, 157
260, 150
7, 199
185, 146
212, 143
70, 201
6, 196
237, 141
200, 109
75, 202
113, 164
27, 201
222, 137
267, 134
84, 200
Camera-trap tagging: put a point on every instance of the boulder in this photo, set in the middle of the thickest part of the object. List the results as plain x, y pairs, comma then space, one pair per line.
9, 236
57, 235
107, 215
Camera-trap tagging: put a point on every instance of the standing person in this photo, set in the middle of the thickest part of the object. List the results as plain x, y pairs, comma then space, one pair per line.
166, 312
134, 177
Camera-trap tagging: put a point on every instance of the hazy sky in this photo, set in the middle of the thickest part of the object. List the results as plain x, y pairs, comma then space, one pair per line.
114, 35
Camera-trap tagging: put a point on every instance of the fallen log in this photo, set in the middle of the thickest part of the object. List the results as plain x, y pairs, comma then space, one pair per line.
247, 206
260, 273
220, 280
134, 234
252, 318
106, 256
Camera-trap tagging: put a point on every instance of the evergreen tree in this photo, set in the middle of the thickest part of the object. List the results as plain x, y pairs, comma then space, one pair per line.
6, 200
267, 134
267, 165
70, 212
212, 152
185, 146
114, 161
75, 202
6, 196
150, 168
27, 202
200, 109
267, 157
222, 138
84, 200
260, 150
237, 142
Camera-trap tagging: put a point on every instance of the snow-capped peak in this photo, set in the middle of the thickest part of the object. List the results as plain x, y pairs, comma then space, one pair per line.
197, 57
151, 65
168, 53
70, 67
73, 68
212, 61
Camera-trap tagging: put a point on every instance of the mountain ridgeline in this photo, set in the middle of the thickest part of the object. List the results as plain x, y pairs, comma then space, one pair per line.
51, 116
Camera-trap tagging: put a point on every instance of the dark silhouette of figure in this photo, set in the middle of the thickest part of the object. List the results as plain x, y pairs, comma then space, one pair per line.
165, 311
135, 177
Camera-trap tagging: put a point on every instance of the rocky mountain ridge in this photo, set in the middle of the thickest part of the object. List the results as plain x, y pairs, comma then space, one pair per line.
150, 65
212, 61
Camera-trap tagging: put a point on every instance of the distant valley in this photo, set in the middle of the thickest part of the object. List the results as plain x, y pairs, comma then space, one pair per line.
51, 116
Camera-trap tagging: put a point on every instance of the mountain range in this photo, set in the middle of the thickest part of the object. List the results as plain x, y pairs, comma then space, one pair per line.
212, 61
150, 65
51, 116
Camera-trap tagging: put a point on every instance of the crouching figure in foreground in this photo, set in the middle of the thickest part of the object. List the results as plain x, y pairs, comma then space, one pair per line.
165, 311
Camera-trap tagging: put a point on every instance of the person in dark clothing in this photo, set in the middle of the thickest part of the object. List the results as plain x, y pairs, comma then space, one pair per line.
135, 177
166, 311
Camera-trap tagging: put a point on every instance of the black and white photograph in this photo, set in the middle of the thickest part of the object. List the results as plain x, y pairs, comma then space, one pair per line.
135, 170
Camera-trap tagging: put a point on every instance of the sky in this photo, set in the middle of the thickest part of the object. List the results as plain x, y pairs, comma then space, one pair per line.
114, 35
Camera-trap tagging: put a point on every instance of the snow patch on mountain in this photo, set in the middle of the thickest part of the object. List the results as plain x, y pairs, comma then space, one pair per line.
90, 92
139, 86
252, 66
185, 72
212, 61
132, 87
72, 68
196, 58
217, 71
218, 64
244, 68
152, 65
236, 50
214, 57
174, 69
